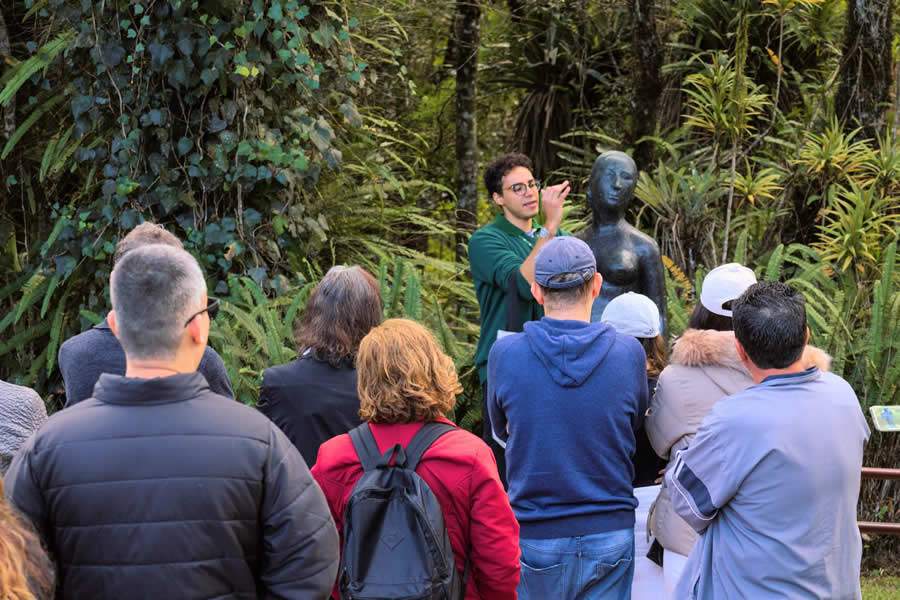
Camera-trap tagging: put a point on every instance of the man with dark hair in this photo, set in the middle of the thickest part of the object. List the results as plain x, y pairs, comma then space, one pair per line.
502, 254
84, 357
156, 487
771, 481
565, 397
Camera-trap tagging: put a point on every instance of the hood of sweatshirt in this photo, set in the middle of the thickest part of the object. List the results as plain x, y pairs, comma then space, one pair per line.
570, 350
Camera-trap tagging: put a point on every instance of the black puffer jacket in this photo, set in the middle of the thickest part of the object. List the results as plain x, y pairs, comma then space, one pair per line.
156, 488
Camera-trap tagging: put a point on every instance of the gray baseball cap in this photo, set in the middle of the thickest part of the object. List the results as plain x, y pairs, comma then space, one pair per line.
561, 256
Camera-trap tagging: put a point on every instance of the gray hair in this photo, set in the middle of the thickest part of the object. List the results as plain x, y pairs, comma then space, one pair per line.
154, 290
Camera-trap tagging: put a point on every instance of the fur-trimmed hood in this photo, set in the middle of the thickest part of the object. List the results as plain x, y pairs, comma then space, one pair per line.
707, 347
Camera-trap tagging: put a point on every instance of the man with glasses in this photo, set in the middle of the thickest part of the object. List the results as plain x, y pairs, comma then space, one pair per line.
84, 357
156, 487
502, 254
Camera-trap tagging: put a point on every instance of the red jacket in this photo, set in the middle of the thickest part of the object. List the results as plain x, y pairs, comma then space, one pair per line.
460, 470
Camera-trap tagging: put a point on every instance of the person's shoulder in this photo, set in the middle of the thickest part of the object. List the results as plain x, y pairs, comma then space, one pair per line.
89, 341
18, 394
335, 457
507, 344
628, 345
278, 374
838, 385
463, 446
644, 244
297, 370
210, 355
486, 234
66, 425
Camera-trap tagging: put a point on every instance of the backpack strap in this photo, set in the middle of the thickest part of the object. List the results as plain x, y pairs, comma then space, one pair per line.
423, 440
366, 447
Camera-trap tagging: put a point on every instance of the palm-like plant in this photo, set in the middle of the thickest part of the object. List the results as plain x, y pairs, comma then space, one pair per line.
857, 221
684, 201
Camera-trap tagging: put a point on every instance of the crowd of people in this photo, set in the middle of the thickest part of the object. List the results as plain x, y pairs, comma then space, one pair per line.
740, 454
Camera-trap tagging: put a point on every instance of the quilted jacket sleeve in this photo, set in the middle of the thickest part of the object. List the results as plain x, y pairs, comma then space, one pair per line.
300, 539
22, 491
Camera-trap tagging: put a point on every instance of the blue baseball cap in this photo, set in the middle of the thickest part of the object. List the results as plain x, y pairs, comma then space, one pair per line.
564, 255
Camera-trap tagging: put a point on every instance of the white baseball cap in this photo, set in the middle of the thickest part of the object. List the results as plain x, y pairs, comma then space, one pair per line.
724, 284
633, 314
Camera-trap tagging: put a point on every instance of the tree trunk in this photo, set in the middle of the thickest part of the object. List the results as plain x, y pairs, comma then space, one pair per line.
865, 76
467, 41
648, 85
9, 112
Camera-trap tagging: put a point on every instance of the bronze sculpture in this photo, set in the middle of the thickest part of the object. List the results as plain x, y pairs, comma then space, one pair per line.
628, 259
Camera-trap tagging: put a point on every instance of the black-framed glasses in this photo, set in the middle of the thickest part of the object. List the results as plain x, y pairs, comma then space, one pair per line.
520, 189
212, 307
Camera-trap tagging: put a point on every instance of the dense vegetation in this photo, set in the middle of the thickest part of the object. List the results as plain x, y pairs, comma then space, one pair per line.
280, 137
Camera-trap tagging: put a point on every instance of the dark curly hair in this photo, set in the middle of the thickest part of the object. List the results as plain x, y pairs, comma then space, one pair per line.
341, 310
499, 167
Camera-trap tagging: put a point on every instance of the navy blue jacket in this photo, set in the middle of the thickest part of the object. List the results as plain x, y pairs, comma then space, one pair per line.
566, 397
310, 401
86, 356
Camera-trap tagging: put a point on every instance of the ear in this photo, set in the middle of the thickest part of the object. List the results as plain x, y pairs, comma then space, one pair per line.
198, 328
597, 284
537, 293
111, 321
806, 339
497, 198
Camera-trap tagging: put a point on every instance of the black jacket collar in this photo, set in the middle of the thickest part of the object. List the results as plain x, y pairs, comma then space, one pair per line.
116, 389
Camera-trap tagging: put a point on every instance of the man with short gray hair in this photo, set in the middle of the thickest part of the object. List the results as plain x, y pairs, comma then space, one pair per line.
84, 357
157, 488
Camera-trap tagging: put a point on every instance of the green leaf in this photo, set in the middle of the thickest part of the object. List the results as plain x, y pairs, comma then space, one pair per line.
275, 12
184, 146
22, 129
242, 70
324, 35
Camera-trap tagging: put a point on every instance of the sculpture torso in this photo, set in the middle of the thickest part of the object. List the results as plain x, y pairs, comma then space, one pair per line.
627, 259
618, 250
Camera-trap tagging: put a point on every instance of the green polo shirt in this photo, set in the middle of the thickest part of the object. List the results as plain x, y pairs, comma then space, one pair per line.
496, 251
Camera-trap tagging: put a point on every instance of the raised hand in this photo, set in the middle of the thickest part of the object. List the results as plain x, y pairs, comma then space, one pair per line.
552, 198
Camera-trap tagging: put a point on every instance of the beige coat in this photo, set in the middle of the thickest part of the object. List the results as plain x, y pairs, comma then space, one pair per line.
703, 369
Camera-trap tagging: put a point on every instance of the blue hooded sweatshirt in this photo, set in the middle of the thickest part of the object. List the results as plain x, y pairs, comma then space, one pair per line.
566, 397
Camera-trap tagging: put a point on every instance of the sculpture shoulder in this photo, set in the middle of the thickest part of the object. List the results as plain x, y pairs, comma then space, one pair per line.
643, 243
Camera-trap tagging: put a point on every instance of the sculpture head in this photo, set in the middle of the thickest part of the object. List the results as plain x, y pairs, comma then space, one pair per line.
613, 178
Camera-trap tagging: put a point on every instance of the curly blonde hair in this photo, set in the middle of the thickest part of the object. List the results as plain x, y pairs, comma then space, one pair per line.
26, 572
403, 376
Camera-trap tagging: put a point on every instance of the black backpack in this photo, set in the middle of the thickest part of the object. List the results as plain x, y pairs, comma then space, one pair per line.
395, 542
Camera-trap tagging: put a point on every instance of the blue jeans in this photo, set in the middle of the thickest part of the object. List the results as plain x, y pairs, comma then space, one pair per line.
587, 567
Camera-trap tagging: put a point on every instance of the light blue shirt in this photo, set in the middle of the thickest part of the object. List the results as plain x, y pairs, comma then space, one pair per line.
771, 483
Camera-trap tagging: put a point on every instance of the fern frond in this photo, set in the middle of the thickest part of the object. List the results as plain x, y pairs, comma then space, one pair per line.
28, 123
24, 336
51, 287
56, 331
776, 262
30, 294
40, 60
412, 301
90, 316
